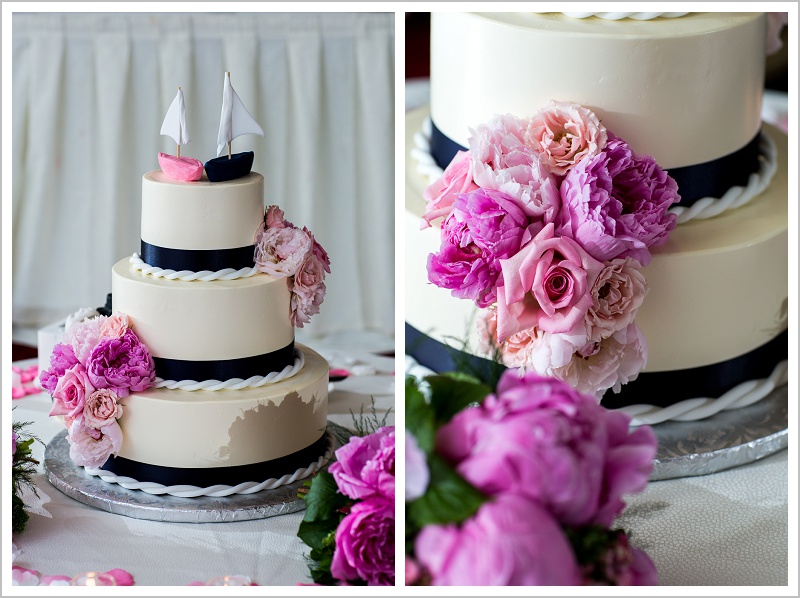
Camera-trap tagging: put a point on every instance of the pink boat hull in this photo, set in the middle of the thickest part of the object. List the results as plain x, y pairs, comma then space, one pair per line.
180, 169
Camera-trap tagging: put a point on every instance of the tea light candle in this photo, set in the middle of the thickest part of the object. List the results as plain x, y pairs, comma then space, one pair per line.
230, 580
93, 578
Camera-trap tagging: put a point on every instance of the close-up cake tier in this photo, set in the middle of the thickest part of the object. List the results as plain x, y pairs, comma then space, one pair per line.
208, 330
200, 225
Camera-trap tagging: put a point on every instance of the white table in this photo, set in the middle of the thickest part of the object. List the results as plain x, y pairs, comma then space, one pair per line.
66, 537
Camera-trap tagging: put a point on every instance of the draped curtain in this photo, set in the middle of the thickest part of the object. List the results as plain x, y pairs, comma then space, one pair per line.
90, 92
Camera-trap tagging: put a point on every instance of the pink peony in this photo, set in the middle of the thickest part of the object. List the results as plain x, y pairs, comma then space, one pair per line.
90, 447
71, 391
115, 326
319, 252
456, 179
308, 290
84, 337
417, 473
281, 251
365, 543
101, 408
273, 218
617, 295
121, 364
510, 541
61, 359
621, 565
563, 134
616, 204
501, 160
540, 439
609, 363
364, 467
547, 285
413, 571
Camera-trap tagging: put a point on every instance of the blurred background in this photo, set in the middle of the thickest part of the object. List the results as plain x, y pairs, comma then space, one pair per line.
89, 95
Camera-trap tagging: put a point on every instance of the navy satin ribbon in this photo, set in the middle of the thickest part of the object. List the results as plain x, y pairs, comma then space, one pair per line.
709, 179
210, 476
257, 365
197, 259
653, 388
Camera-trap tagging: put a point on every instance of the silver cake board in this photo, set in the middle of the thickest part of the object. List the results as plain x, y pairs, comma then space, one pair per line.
722, 441
73, 481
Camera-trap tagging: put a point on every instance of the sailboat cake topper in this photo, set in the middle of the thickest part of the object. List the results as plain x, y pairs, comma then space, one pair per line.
174, 125
234, 121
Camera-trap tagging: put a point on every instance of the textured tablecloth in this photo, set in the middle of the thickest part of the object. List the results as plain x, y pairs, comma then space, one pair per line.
66, 537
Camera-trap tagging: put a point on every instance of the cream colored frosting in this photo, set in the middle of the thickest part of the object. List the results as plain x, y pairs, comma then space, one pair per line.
175, 428
718, 288
200, 321
201, 215
684, 90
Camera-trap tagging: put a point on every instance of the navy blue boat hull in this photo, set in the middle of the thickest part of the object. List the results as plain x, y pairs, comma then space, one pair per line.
227, 169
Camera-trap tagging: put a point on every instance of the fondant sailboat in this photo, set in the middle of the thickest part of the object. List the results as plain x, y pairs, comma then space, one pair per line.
174, 125
234, 121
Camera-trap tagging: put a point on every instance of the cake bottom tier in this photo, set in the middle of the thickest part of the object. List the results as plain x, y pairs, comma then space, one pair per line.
229, 437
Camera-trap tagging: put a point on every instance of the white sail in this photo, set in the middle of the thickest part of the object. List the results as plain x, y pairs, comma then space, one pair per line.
174, 123
235, 119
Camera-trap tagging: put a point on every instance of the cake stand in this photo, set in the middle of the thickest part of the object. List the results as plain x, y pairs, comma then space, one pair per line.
75, 483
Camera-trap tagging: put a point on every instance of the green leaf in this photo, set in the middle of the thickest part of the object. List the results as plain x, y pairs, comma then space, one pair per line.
448, 499
453, 392
314, 533
420, 419
323, 498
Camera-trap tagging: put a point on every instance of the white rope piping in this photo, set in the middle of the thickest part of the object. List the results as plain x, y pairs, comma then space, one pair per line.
743, 395
236, 383
616, 16
218, 490
188, 275
706, 207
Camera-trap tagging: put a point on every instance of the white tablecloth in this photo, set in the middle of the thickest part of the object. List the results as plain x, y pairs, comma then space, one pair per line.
66, 537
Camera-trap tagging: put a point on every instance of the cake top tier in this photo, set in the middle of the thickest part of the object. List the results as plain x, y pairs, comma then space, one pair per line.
684, 90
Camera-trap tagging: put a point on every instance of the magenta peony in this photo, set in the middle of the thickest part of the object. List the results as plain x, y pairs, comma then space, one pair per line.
616, 204
280, 251
563, 134
90, 447
121, 364
365, 543
617, 295
61, 359
440, 195
540, 439
364, 467
547, 285
510, 541
84, 337
71, 391
101, 408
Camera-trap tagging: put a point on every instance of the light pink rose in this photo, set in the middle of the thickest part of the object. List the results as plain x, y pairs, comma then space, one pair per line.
114, 326
101, 408
610, 363
84, 337
90, 447
502, 161
281, 251
71, 391
617, 295
308, 290
274, 217
456, 179
547, 284
563, 134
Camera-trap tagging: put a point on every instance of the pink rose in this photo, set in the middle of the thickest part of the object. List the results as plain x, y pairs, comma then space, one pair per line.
563, 134
274, 217
90, 447
84, 337
101, 408
510, 541
456, 179
547, 284
502, 161
365, 543
71, 391
617, 295
114, 326
281, 251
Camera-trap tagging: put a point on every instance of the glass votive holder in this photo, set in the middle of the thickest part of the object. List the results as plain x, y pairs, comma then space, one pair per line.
230, 580
93, 578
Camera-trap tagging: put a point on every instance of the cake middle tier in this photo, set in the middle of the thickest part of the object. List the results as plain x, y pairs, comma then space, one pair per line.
208, 326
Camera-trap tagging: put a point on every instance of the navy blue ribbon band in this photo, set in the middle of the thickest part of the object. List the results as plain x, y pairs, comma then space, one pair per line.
709, 179
198, 259
244, 367
229, 476
651, 388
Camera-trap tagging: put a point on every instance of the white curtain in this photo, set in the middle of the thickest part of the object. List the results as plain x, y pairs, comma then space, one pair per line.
90, 92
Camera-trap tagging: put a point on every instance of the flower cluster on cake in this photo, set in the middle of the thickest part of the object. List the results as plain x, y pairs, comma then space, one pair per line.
546, 225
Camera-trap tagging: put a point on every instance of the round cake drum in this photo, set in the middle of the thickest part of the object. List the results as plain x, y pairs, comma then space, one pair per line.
75, 483
727, 439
